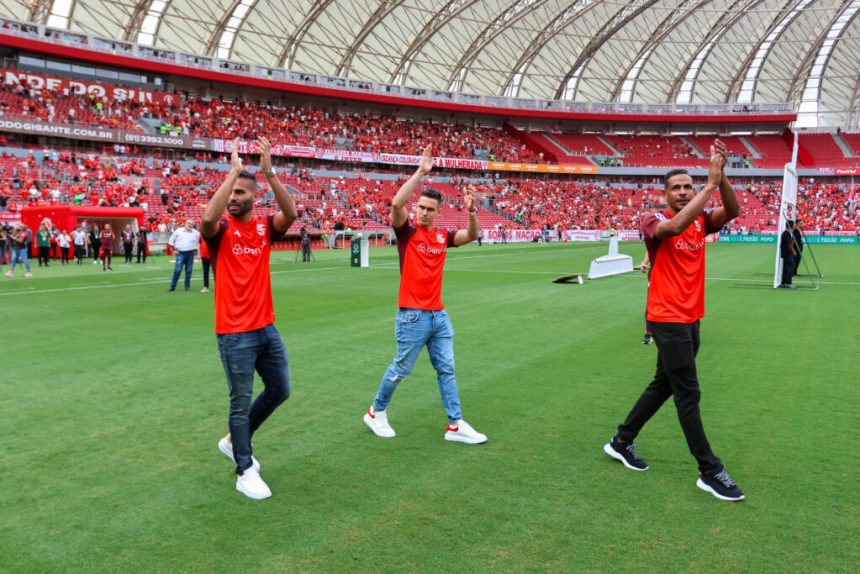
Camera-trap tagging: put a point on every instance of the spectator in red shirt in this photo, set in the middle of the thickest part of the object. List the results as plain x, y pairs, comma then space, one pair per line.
675, 239
239, 243
421, 318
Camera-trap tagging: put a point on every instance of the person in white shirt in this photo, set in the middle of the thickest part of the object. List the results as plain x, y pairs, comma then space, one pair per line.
65, 241
79, 238
185, 241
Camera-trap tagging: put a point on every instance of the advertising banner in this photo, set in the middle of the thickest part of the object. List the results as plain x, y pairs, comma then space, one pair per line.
540, 167
40, 83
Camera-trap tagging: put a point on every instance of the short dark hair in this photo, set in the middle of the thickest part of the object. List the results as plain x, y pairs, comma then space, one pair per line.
432, 194
672, 173
245, 174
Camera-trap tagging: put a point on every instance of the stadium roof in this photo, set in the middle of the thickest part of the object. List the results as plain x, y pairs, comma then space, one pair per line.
643, 51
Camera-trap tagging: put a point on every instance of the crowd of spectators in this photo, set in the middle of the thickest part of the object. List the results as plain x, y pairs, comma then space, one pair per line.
168, 192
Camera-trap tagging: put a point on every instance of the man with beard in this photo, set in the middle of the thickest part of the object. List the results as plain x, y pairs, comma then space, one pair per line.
675, 239
239, 244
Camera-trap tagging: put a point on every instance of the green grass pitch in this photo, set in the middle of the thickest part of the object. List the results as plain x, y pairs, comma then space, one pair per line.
112, 400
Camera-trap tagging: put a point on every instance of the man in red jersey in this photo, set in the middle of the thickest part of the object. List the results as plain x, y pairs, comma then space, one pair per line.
421, 318
239, 244
106, 238
675, 239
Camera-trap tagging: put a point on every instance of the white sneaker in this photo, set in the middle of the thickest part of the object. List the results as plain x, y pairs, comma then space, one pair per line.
462, 431
28, 274
9, 274
378, 423
227, 448
205, 290
251, 485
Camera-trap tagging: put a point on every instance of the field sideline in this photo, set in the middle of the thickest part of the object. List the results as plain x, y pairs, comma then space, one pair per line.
113, 400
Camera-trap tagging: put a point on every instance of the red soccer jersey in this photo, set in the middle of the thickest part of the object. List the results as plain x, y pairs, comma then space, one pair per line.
422, 258
676, 286
106, 238
240, 261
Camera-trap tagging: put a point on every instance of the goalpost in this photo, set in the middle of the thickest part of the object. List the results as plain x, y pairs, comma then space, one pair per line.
787, 207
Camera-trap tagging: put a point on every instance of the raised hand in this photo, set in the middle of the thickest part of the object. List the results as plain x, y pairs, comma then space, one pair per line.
426, 161
469, 198
722, 150
265, 149
715, 168
235, 160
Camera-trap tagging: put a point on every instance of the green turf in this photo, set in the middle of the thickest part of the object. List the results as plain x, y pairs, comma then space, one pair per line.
112, 400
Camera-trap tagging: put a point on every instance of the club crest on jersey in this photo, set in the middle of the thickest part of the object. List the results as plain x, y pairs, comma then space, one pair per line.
261, 229
440, 238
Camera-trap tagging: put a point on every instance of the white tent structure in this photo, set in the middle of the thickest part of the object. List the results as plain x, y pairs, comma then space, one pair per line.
803, 52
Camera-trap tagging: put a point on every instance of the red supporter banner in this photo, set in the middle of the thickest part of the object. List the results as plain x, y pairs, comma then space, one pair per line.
40, 83
345, 155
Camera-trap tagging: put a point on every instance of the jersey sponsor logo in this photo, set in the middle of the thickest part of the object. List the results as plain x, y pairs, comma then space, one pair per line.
245, 250
424, 248
261, 229
683, 245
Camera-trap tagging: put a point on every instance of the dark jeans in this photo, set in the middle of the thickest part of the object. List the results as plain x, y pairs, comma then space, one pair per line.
788, 269
183, 259
141, 252
127, 249
64, 255
79, 253
241, 354
44, 255
677, 346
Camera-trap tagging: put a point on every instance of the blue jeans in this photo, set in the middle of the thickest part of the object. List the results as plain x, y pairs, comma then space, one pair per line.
183, 259
413, 329
20, 255
241, 354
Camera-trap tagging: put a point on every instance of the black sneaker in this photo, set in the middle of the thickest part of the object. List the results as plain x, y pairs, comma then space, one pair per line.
720, 485
647, 339
626, 453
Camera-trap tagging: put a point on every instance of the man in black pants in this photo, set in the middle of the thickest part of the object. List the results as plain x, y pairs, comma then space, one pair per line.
675, 239
141, 243
788, 254
798, 246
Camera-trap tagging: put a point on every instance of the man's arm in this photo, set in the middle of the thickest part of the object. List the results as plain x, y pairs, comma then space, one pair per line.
731, 208
288, 214
218, 202
683, 219
470, 234
404, 194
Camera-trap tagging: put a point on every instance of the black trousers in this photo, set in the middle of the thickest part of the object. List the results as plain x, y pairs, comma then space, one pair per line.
788, 269
141, 252
206, 265
127, 248
44, 255
677, 346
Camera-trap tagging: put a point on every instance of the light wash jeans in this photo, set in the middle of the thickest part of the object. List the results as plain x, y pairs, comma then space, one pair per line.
262, 351
413, 329
20, 256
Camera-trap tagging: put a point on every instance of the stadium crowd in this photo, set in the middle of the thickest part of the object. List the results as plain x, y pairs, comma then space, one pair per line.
169, 193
